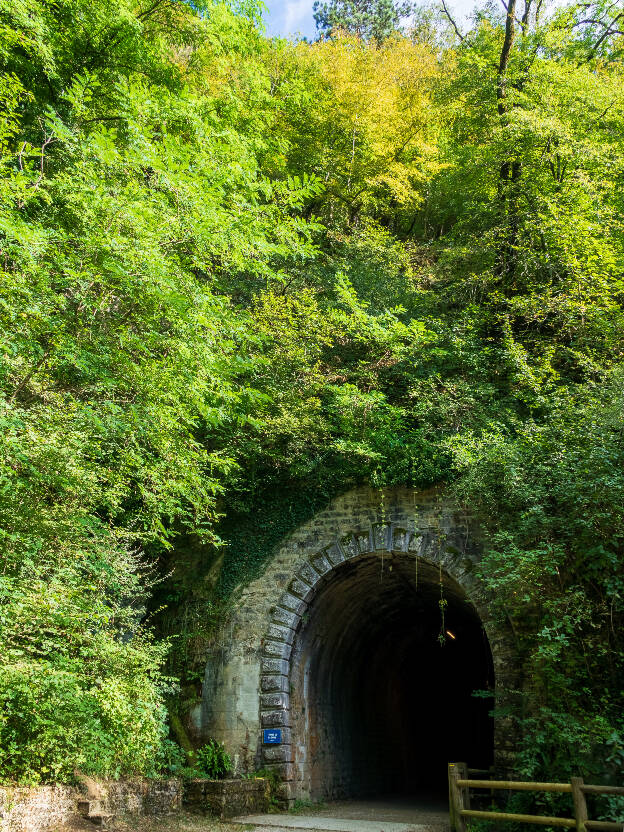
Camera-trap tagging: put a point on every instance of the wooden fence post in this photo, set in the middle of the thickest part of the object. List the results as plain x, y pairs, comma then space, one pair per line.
462, 772
456, 803
580, 804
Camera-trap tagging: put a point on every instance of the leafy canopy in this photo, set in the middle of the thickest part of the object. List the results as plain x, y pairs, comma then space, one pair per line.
238, 276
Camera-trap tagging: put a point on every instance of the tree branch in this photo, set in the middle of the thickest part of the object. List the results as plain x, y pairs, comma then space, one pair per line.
452, 22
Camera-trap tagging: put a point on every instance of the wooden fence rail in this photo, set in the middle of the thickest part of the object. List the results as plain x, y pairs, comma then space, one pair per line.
459, 801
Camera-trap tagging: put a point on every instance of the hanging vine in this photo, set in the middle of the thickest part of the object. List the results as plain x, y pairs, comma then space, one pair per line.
416, 569
442, 603
382, 518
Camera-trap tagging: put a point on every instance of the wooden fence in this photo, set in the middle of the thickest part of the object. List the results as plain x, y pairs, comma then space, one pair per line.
459, 801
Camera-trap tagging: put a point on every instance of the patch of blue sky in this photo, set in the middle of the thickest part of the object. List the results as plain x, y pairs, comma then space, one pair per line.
292, 18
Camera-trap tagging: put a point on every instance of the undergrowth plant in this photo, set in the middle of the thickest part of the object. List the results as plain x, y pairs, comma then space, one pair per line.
213, 761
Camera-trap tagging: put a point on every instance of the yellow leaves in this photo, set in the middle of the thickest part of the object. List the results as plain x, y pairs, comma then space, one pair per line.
380, 93
370, 127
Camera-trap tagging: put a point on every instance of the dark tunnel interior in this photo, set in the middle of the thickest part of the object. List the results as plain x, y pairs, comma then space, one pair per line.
379, 705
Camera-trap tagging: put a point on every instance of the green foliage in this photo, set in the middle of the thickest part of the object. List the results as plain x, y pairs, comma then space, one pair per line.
303, 806
117, 215
276, 800
550, 499
172, 759
376, 19
238, 276
212, 760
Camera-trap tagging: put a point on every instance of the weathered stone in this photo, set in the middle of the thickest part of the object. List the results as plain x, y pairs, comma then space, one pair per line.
400, 539
271, 683
273, 700
416, 543
291, 602
277, 649
50, 808
334, 554
275, 719
286, 771
301, 589
275, 666
349, 546
321, 564
364, 542
228, 798
286, 617
278, 633
381, 536
308, 574
278, 754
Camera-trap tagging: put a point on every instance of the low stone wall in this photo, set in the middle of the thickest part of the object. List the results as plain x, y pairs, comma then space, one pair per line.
38, 809
139, 796
53, 808
227, 798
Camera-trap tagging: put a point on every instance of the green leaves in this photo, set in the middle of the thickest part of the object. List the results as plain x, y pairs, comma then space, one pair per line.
124, 201
370, 20
238, 276
550, 500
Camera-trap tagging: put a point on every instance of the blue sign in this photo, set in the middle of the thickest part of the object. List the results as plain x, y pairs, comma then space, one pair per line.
272, 736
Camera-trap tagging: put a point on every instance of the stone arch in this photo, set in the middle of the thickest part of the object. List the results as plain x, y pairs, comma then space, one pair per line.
249, 674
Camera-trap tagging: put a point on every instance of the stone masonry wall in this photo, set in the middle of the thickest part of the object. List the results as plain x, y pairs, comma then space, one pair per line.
247, 680
227, 798
53, 808
37, 809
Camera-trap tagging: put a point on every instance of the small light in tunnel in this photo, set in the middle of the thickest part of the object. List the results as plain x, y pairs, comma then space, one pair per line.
451, 635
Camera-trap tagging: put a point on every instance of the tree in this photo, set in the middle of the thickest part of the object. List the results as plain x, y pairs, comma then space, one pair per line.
372, 20
124, 197
365, 126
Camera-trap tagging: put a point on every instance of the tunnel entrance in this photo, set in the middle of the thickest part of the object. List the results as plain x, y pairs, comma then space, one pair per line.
382, 676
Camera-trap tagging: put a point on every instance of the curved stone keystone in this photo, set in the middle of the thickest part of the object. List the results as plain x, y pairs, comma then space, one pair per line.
381, 534
400, 539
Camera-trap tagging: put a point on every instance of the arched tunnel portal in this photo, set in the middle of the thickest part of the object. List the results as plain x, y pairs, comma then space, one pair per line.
349, 666
383, 670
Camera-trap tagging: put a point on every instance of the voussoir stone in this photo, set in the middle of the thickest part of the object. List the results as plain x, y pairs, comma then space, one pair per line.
272, 682
334, 554
277, 632
321, 564
291, 602
276, 649
301, 589
308, 574
286, 617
